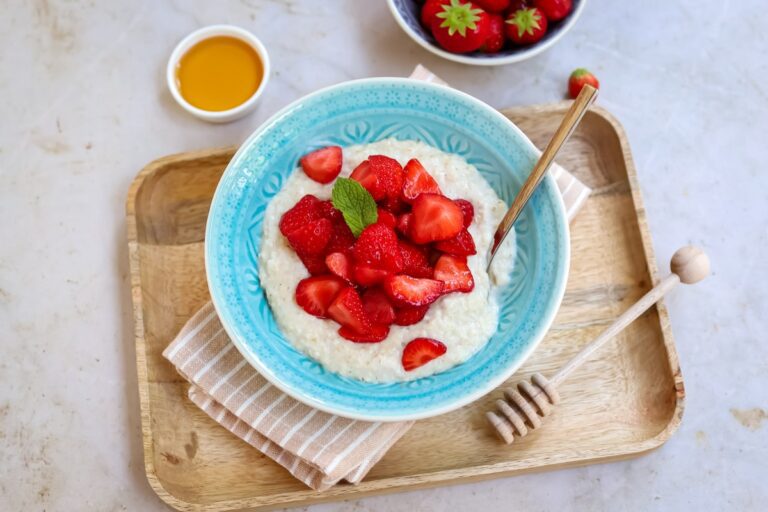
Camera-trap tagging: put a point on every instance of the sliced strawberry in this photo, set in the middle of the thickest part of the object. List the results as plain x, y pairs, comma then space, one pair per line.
420, 351
377, 247
328, 211
323, 165
374, 334
418, 181
467, 209
413, 291
342, 238
433, 255
311, 239
347, 309
315, 294
403, 222
302, 213
461, 245
390, 175
377, 306
409, 315
435, 218
315, 264
415, 262
386, 217
365, 275
364, 175
454, 272
339, 263
397, 206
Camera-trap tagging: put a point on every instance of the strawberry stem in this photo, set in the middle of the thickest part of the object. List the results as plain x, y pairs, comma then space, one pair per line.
526, 20
580, 72
458, 17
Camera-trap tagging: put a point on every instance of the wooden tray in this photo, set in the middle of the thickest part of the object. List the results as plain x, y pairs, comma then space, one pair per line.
626, 401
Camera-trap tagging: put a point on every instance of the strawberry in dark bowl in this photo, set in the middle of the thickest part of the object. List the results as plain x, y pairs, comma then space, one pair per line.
477, 32
362, 290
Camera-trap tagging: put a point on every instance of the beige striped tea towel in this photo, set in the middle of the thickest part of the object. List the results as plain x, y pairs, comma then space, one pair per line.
318, 448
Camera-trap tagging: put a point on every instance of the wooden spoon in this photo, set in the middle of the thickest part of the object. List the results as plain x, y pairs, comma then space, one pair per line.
524, 407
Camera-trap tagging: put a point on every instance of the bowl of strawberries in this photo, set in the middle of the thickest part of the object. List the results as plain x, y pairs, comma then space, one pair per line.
486, 32
346, 250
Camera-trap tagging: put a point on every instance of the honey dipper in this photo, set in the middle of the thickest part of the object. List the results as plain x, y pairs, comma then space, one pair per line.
525, 406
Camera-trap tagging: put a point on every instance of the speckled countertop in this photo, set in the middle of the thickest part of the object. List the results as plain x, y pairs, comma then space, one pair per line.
84, 108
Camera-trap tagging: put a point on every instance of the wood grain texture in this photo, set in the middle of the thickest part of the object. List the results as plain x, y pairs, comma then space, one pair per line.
523, 408
625, 401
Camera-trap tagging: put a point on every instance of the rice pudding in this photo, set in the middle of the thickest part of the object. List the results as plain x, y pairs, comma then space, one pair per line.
463, 322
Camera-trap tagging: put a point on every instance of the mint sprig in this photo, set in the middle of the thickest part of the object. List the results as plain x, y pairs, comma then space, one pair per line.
355, 203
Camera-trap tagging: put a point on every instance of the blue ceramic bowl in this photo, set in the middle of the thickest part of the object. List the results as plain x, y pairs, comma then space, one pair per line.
407, 14
367, 111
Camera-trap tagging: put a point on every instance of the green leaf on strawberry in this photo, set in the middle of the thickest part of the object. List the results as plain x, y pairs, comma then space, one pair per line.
355, 203
526, 21
458, 17
526, 26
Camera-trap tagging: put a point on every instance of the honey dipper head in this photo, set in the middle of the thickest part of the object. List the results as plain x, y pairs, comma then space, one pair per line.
691, 264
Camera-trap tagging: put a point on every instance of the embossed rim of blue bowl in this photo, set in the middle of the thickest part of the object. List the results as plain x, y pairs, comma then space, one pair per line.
546, 318
477, 59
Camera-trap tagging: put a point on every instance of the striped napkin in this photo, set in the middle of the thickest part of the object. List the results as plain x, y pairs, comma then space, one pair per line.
318, 448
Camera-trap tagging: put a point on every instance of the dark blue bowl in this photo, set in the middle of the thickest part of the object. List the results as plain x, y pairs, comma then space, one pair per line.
406, 13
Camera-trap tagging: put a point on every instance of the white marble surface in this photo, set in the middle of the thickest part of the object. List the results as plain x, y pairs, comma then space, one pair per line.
84, 108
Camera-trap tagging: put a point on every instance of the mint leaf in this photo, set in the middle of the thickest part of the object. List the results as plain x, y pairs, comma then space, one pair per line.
355, 203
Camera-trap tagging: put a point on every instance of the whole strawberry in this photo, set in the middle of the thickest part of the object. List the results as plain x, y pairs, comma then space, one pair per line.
496, 38
526, 26
429, 11
461, 27
516, 5
496, 6
554, 10
578, 79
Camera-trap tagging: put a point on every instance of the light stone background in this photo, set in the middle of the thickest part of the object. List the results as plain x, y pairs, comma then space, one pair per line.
83, 107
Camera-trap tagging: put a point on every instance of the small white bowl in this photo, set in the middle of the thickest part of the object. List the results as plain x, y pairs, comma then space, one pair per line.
221, 116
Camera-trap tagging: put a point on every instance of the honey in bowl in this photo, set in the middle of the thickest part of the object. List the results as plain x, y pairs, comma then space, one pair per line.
219, 73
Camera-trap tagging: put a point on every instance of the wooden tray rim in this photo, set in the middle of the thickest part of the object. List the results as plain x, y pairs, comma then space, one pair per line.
383, 486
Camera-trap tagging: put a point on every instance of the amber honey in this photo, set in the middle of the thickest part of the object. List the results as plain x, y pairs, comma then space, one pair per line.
219, 73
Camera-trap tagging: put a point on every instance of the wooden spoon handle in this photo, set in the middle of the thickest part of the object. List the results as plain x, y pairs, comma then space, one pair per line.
567, 126
689, 265
524, 407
